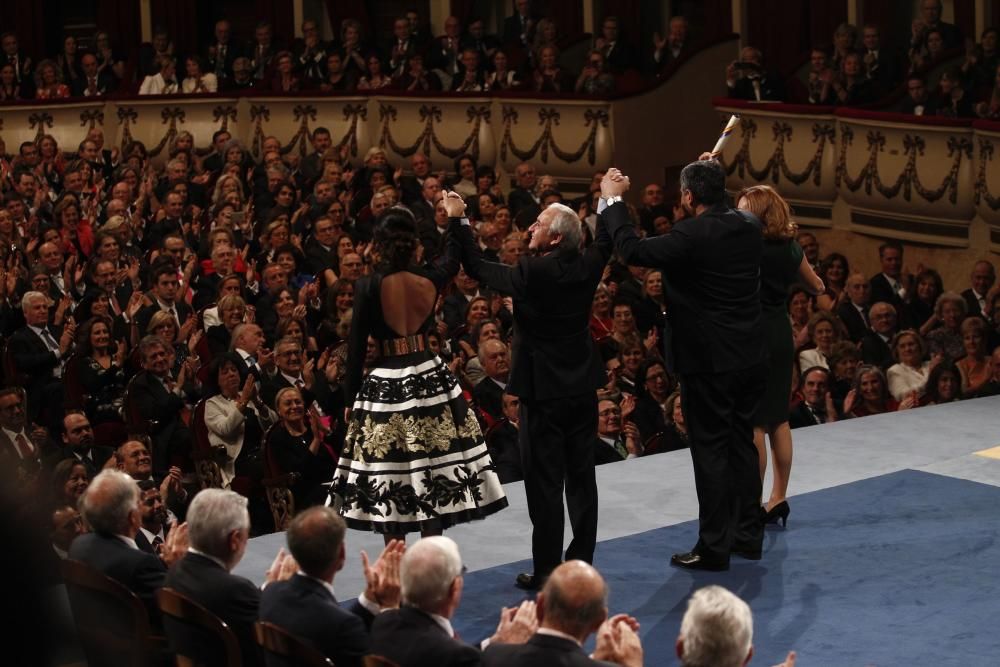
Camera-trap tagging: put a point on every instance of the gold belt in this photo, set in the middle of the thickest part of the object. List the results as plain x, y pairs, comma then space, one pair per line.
395, 347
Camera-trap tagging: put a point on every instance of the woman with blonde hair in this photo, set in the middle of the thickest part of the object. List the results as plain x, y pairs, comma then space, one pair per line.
782, 264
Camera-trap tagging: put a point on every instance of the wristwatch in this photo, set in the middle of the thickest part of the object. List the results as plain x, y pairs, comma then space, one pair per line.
612, 200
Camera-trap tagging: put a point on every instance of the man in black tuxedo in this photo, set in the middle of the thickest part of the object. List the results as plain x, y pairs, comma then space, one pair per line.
619, 55
419, 633
305, 604
982, 279
292, 370
714, 342
615, 441
312, 164
456, 303
890, 285
746, 79
930, 20
875, 343
39, 352
153, 529
94, 82
573, 606
217, 159
881, 66
853, 311
110, 505
557, 370
411, 186
157, 397
218, 529
522, 196
165, 289
133, 459
502, 442
321, 250
817, 405
78, 444
519, 29
222, 52
488, 393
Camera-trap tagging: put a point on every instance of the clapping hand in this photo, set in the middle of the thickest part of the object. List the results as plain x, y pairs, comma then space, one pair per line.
176, 545
517, 624
282, 567
618, 641
382, 578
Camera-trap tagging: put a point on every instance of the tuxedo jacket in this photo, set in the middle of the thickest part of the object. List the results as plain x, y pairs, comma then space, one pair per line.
801, 416
145, 545
711, 279
233, 599
305, 608
972, 303
882, 291
105, 84
162, 410
140, 572
411, 638
99, 455
554, 355
489, 397
504, 447
35, 361
605, 453
539, 651
876, 351
520, 199
857, 328
318, 258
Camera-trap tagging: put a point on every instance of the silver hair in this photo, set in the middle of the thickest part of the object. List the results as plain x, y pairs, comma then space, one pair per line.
108, 501
212, 517
567, 224
427, 571
238, 331
29, 298
717, 629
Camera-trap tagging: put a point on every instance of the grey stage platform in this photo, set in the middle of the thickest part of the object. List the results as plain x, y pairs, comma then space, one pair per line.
647, 493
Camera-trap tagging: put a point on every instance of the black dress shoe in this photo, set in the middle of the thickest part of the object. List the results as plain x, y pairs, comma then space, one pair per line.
529, 582
692, 560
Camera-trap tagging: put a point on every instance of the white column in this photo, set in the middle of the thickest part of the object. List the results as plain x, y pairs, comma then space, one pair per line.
298, 15
588, 16
982, 20
854, 12
740, 20
146, 20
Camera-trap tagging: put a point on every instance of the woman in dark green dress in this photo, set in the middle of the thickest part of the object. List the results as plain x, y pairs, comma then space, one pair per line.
782, 265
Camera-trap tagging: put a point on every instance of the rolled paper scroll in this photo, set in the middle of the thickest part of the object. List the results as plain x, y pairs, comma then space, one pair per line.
724, 137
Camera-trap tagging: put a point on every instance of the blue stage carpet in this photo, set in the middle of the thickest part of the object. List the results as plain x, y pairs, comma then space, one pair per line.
899, 569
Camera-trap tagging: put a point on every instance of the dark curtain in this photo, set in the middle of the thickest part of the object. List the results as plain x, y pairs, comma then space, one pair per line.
568, 15
27, 21
278, 13
180, 19
338, 10
965, 18
719, 19
785, 30
463, 10
122, 20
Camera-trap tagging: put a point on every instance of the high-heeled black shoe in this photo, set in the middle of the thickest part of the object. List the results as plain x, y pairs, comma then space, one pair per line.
778, 513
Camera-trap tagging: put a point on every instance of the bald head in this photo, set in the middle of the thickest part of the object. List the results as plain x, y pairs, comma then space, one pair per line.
574, 600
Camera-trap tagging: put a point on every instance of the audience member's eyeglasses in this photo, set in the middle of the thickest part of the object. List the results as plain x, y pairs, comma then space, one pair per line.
609, 412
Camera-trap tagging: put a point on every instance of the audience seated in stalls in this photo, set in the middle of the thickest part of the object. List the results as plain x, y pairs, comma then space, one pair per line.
929, 287
299, 444
944, 385
853, 311
155, 525
907, 378
430, 576
617, 439
844, 361
981, 282
976, 366
134, 460
488, 393
869, 394
746, 78
875, 344
825, 330
70, 479
944, 337
653, 386
991, 387
816, 406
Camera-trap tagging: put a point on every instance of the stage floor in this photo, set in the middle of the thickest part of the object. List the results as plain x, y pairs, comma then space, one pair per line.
652, 501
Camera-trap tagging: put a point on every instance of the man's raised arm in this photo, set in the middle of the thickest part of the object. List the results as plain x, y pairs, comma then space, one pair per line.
507, 280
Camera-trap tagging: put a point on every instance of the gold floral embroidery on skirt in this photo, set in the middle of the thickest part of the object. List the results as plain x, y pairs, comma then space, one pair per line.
418, 435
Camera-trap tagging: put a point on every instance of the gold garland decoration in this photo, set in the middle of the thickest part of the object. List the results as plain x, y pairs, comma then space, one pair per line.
91, 117
258, 114
41, 120
547, 117
127, 116
169, 115
909, 179
777, 165
353, 113
982, 190
429, 116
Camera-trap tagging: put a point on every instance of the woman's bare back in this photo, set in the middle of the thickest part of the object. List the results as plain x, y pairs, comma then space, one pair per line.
407, 301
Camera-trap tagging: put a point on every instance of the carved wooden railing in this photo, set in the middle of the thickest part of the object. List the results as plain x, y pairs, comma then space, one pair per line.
915, 178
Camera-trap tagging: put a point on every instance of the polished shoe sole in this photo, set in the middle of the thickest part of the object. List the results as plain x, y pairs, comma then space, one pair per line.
698, 565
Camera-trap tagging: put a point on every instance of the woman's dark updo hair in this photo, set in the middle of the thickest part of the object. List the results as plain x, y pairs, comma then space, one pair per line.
395, 239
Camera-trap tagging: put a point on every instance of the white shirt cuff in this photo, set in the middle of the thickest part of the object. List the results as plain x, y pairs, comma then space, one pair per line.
371, 607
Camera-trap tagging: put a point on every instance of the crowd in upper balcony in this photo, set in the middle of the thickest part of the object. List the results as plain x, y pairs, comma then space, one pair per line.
940, 73
526, 56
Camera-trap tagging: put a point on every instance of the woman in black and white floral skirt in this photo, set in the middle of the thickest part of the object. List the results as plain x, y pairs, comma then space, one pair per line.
414, 458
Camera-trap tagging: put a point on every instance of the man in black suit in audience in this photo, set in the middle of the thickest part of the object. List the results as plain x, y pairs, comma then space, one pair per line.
982, 279
305, 604
419, 633
556, 373
890, 285
110, 505
615, 441
315, 384
816, 406
522, 196
153, 529
166, 297
218, 530
667, 50
875, 343
502, 441
78, 443
715, 343
158, 399
573, 606
488, 394
39, 352
853, 312
519, 29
